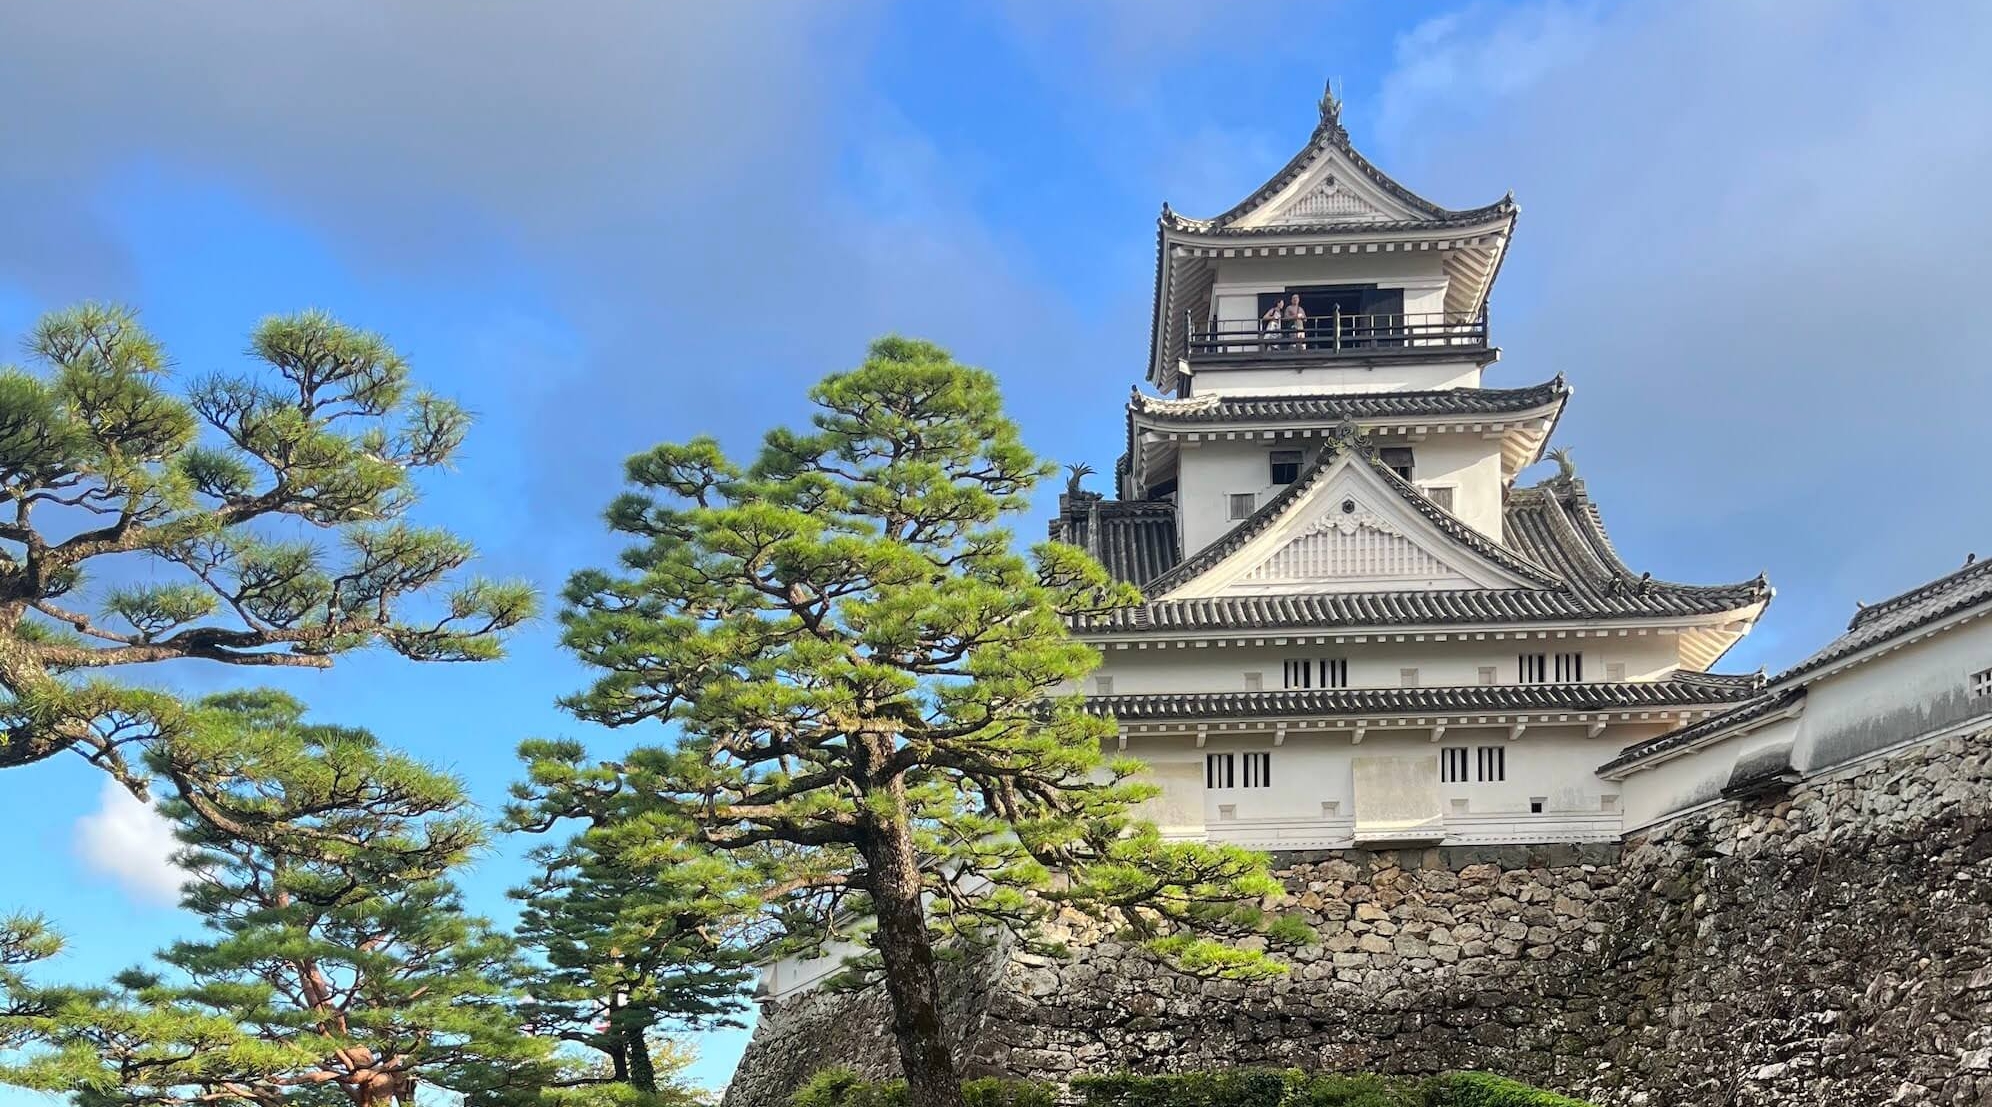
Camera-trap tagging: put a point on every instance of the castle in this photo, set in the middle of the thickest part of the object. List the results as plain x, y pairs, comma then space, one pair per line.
1530, 825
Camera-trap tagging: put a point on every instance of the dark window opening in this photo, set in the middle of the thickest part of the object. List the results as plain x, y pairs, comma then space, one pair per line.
1286, 466
1220, 771
1258, 770
1397, 459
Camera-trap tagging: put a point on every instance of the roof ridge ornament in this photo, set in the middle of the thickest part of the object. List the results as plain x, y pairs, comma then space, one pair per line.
1331, 105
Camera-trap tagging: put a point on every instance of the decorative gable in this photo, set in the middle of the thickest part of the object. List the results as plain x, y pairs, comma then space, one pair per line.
1346, 528
1329, 201
1360, 545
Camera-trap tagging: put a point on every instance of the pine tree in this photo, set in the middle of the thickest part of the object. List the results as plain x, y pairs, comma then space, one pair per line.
871, 693
338, 963
199, 510
627, 944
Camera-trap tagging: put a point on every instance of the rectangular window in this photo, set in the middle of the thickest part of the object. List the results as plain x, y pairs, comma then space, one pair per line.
1286, 466
1220, 771
1397, 459
1614, 670
1258, 770
1487, 674
1452, 765
1533, 668
1569, 668
1441, 494
1334, 672
1981, 683
1103, 685
1255, 682
1298, 672
1493, 764
1536, 804
1243, 504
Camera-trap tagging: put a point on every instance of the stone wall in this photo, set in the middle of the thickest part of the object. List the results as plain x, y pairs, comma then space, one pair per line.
1831, 943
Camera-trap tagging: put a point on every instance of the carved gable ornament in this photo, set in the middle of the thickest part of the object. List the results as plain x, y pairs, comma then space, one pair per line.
1347, 544
1329, 201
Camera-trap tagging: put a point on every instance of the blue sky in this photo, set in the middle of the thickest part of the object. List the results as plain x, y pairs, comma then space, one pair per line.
1753, 236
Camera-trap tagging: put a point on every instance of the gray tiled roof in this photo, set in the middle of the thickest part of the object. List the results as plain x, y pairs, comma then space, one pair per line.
1683, 689
1331, 133
1554, 536
1332, 408
1136, 541
1872, 626
1918, 607
1766, 703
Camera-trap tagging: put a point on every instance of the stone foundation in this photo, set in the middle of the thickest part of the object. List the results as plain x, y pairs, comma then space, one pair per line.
1831, 943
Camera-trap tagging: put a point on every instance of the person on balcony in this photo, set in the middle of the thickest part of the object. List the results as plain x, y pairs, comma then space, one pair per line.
1295, 317
1269, 327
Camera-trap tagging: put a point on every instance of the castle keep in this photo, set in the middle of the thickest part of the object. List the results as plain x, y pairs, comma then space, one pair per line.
1530, 824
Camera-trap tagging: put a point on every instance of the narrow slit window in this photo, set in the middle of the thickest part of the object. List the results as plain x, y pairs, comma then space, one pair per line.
1533, 668
1334, 672
1220, 771
1299, 672
1569, 668
1452, 765
1285, 466
1258, 770
1493, 764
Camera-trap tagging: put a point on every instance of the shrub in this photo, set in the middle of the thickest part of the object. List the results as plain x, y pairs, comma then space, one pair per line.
842, 1087
1479, 1089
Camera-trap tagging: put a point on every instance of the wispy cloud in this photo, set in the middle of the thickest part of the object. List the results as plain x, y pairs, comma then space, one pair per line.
129, 842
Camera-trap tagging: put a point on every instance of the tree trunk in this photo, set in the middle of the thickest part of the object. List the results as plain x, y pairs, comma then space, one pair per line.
908, 956
642, 1074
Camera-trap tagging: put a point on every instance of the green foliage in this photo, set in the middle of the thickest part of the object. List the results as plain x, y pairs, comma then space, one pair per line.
871, 692
337, 954
1292, 930
839, 1087
1293, 1088
209, 495
1480, 1089
623, 946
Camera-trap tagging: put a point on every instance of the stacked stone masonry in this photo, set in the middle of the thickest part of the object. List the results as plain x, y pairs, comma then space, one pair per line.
1831, 943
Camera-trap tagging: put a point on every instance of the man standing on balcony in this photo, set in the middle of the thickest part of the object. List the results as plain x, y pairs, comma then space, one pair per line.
1269, 327
1296, 323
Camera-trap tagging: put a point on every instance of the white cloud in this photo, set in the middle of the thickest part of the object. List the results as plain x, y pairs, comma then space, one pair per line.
128, 841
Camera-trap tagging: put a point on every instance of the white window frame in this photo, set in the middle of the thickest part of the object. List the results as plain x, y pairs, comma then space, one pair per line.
1532, 668
1455, 765
1981, 683
1257, 770
1490, 764
1568, 666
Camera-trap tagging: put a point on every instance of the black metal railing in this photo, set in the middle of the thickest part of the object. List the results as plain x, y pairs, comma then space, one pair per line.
1338, 333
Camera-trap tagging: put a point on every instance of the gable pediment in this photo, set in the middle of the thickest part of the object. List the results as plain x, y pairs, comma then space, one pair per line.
1349, 530
1331, 190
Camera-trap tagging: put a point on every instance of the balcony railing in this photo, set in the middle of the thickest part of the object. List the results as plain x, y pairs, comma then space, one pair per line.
1338, 334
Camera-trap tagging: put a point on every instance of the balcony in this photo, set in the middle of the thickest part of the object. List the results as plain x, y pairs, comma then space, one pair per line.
1441, 333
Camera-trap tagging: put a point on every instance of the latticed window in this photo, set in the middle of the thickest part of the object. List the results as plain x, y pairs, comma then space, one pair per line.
1981, 683
1453, 762
1493, 764
1258, 770
1243, 504
1533, 668
1220, 771
1569, 668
